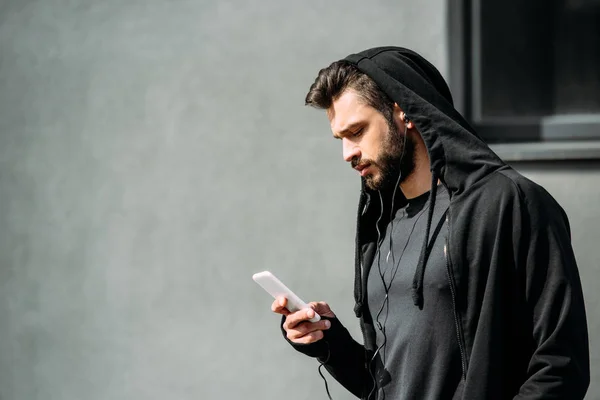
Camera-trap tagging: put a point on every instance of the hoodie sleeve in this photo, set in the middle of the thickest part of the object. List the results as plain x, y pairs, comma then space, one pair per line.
559, 366
341, 355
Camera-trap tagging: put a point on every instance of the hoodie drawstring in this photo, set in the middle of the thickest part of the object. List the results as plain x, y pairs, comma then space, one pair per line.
417, 288
358, 293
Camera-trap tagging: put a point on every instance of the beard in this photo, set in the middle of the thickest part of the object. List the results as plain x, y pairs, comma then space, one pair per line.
395, 160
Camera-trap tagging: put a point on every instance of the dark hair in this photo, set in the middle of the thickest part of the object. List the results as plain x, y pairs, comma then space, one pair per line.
341, 75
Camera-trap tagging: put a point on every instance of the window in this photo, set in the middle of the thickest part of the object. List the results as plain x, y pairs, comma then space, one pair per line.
527, 71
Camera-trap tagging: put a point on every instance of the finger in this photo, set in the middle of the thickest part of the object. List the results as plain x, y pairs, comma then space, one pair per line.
324, 310
309, 338
295, 318
278, 306
282, 300
306, 328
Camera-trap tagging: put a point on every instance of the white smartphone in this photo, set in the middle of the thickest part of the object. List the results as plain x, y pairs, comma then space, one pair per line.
276, 288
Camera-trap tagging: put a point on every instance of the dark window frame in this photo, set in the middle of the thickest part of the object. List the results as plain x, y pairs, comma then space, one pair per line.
522, 138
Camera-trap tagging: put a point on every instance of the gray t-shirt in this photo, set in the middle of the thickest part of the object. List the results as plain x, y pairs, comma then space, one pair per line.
420, 355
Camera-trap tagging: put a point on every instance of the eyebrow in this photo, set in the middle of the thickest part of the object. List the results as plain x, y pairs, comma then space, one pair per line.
348, 130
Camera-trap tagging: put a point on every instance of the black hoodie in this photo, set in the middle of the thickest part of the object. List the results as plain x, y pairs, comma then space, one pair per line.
518, 304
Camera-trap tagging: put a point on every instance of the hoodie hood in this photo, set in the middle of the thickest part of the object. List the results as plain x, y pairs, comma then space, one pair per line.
458, 156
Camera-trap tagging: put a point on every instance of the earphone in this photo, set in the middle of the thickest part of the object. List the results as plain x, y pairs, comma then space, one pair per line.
387, 286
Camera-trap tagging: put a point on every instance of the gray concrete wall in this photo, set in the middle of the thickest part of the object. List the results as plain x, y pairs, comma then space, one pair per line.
153, 156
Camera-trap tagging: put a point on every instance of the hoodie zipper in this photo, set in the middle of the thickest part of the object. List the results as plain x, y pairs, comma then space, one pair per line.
363, 331
459, 332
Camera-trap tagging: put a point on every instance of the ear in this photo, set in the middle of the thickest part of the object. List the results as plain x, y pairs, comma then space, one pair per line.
401, 118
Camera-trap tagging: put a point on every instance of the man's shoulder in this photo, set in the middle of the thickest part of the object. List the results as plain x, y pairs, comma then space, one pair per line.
507, 186
513, 183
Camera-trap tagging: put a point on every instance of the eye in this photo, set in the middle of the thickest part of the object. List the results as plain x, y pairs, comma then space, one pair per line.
358, 132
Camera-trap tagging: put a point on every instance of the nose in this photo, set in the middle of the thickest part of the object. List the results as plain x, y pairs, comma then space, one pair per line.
349, 150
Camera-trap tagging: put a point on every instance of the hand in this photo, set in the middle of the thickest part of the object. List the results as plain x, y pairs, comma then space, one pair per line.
297, 326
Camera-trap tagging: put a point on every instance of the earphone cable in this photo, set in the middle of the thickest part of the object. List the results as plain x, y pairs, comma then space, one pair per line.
387, 287
379, 243
321, 373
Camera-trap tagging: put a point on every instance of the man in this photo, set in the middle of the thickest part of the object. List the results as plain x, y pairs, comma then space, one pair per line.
466, 284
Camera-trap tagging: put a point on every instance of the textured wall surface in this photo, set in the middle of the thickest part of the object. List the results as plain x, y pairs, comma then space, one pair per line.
153, 155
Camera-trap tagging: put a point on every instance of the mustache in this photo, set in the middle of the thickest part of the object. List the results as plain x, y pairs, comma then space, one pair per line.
358, 162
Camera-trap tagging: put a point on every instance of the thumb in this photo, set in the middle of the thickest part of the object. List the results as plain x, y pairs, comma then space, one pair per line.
322, 309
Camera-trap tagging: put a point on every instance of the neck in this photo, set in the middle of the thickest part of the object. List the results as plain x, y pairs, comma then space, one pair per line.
419, 181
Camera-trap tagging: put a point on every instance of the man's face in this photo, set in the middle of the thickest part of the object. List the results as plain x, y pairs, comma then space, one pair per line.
375, 147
